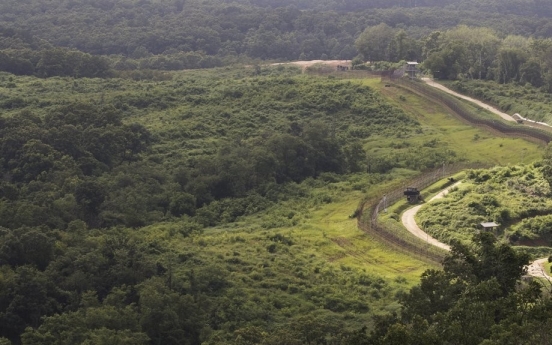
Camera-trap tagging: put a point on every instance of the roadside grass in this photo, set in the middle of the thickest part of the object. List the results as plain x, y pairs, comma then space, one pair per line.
327, 230
515, 197
529, 101
394, 213
443, 129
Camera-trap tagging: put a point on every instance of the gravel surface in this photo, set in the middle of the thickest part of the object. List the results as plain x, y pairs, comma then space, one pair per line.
535, 269
473, 100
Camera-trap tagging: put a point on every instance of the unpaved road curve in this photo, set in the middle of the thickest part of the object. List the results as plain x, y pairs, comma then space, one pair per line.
305, 64
473, 100
410, 223
535, 269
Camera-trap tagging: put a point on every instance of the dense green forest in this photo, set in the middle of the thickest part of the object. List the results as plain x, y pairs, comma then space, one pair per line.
143, 204
108, 201
517, 198
108, 184
171, 35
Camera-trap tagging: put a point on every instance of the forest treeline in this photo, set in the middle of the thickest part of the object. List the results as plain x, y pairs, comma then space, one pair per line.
177, 35
86, 192
464, 53
480, 300
281, 143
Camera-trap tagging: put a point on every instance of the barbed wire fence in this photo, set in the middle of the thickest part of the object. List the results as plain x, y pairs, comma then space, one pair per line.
396, 235
368, 212
538, 135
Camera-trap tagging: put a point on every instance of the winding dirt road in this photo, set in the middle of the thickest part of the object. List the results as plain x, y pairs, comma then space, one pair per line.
535, 269
505, 116
410, 223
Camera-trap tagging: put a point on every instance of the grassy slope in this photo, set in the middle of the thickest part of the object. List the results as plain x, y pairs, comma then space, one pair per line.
325, 239
328, 225
516, 197
487, 148
526, 100
469, 143
336, 238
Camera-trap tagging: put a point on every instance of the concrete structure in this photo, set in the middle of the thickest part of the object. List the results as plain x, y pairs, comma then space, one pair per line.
489, 226
412, 69
412, 194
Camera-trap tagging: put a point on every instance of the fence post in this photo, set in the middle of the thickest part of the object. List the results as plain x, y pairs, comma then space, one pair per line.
386, 235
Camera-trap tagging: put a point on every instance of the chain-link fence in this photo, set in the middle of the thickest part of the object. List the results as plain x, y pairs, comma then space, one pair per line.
395, 234
350, 74
461, 111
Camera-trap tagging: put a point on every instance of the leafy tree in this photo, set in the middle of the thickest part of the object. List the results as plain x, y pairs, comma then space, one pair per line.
168, 317
182, 203
89, 196
374, 42
509, 64
30, 296
355, 157
481, 46
476, 291
448, 62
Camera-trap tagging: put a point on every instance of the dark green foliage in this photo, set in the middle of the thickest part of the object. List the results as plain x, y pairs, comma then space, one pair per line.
26, 246
106, 184
514, 197
94, 194
51, 62
474, 300
151, 35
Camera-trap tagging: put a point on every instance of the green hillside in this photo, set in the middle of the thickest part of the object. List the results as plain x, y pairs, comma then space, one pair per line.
162, 183
209, 206
516, 197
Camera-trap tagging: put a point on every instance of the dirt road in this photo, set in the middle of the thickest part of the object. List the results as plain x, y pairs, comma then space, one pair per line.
535, 269
473, 100
305, 64
410, 223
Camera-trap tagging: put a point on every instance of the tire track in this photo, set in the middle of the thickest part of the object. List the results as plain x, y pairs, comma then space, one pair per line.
534, 269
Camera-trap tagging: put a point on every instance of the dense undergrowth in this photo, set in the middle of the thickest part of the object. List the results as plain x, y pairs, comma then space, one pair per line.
528, 101
236, 136
108, 186
211, 206
515, 197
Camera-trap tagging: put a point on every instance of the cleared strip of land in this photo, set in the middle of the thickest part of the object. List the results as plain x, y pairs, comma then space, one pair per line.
473, 100
535, 268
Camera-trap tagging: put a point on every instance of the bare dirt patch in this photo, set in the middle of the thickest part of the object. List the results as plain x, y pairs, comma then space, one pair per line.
309, 63
342, 242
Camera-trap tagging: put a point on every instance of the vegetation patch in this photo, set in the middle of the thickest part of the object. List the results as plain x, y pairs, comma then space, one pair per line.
528, 101
515, 197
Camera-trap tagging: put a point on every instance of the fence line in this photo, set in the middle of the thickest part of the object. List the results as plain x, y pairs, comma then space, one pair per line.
350, 74
397, 236
514, 129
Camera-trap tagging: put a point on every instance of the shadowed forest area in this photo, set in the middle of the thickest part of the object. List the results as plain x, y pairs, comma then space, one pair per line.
162, 183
